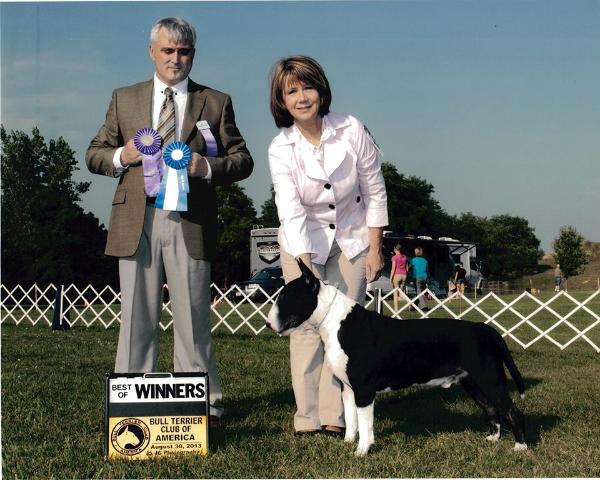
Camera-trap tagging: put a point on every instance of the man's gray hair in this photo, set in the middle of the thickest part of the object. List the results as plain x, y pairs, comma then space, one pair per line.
179, 30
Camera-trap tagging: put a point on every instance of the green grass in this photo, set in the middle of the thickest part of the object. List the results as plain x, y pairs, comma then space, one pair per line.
53, 413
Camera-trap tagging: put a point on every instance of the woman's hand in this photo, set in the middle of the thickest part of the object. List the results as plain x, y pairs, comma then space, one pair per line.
374, 259
374, 264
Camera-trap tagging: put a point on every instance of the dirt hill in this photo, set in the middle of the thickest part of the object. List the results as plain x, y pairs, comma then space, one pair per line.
587, 281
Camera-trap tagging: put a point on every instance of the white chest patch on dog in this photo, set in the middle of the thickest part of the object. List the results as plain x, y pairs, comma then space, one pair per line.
446, 382
339, 308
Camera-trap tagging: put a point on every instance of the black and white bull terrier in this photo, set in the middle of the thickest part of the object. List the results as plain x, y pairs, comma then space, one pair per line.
369, 352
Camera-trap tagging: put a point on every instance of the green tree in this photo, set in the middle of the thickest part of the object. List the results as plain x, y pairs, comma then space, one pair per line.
569, 252
507, 245
412, 209
46, 236
236, 216
268, 217
512, 249
469, 228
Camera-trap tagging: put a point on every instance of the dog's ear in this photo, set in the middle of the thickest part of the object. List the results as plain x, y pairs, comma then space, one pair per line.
308, 276
304, 270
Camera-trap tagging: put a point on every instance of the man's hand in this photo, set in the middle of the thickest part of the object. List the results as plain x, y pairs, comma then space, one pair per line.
198, 166
374, 264
130, 155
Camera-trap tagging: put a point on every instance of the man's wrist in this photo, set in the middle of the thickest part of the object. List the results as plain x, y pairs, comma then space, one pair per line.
117, 164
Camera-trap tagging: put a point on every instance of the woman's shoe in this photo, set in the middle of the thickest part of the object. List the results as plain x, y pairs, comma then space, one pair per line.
333, 431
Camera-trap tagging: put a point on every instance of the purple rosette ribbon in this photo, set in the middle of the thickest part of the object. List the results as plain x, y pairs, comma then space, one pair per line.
148, 141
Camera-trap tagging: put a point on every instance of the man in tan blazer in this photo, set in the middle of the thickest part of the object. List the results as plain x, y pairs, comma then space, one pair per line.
149, 240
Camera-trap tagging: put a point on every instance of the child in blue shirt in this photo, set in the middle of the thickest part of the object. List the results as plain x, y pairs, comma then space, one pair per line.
419, 267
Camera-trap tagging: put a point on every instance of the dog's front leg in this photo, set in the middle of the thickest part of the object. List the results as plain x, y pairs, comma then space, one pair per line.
366, 436
349, 413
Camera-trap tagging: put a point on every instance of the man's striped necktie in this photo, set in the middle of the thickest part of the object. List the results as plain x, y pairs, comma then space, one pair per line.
166, 119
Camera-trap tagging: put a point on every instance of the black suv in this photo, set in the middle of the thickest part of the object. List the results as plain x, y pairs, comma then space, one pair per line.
270, 279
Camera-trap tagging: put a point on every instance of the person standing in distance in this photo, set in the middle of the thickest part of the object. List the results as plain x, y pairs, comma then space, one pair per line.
557, 278
420, 271
460, 277
398, 274
147, 239
332, 207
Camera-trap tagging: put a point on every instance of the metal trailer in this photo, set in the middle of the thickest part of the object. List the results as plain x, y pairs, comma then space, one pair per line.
264, 248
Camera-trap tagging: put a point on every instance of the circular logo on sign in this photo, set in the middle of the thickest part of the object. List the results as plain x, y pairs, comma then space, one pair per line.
130, 436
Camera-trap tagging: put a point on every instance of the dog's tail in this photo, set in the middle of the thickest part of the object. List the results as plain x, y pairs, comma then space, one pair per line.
510, 363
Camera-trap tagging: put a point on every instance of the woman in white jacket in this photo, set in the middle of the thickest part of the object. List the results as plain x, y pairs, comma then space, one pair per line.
332, 207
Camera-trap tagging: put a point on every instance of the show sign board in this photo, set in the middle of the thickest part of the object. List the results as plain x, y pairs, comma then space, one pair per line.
156, 415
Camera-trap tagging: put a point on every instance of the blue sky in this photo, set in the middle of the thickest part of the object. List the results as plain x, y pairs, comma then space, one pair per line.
496, 103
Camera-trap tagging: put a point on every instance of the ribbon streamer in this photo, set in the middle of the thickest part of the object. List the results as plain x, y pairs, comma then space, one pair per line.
211, 143
174, 187
147, 141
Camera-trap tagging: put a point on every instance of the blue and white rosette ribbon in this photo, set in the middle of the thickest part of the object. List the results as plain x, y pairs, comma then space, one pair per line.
147, 141
174, 187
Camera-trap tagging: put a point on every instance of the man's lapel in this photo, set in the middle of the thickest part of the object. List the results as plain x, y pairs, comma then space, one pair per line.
195, 104
142, 107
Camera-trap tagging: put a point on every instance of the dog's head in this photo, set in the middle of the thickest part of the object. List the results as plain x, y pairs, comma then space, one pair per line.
296, 302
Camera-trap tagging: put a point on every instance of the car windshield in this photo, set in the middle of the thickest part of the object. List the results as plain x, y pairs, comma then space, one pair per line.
267, 274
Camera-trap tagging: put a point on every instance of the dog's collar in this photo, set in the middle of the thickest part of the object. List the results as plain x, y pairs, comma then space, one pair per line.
317, 325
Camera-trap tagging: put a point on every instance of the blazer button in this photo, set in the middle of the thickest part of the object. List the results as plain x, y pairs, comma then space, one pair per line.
358, 199
332, 206
332, 226
327, 186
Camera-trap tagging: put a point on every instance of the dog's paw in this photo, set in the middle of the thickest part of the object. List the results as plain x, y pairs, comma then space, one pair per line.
362, 449
519, 447
361, 452
494, 436
350, 436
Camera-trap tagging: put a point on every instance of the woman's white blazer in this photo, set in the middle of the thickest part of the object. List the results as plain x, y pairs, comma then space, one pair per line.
337, 200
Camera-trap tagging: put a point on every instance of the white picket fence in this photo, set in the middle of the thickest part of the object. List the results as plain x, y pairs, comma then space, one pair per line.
560, 319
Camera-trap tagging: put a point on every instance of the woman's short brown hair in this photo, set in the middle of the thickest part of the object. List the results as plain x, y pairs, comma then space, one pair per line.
302, 69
